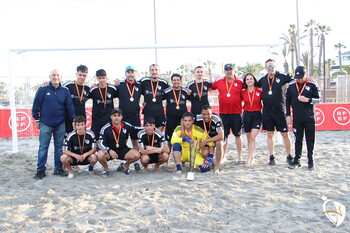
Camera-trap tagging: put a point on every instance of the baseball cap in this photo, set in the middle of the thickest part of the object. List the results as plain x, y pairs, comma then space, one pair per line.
299, 72
116, 110
129, 68
227, 66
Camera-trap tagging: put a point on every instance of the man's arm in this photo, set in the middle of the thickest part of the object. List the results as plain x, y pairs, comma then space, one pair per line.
38, 99
288, 104
69, 104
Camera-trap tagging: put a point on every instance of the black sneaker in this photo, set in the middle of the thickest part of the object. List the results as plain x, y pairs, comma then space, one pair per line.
59, 172
311, 167
272, 160
120, 168
39, 175
289, 159
295, 164
137, 167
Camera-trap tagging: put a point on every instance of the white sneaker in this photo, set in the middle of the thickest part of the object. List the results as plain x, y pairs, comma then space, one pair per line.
70, 176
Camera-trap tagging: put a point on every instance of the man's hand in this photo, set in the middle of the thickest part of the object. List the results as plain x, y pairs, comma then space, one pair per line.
37, 125
202, 144
302, 98
113, 154
117, 82
289, 120
189, 91
73, 124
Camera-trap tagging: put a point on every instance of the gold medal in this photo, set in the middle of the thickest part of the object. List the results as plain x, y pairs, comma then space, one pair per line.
131, 99
117, 145
270, 92
178, 107
154, 100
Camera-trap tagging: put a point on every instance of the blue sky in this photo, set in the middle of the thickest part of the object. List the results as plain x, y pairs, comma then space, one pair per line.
117, 23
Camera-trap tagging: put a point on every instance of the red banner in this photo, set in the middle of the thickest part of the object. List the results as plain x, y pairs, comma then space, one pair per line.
328, 117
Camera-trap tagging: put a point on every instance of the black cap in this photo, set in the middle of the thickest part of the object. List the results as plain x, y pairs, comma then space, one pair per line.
300, 72
227, 66
116, 110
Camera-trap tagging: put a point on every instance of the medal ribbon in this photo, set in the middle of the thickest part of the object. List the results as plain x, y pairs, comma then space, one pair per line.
268, 80
154, 93
228, 90
133, 89
301, 89
82, 91
152, 139
251, 100
205, 127
190, 135
177, 100
105, 99
115, 137
81, 148
199, 92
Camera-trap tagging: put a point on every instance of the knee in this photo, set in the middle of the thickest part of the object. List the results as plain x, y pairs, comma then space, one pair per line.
145, 159
165, 156
64, 158
93, 158
177, 147
100, 155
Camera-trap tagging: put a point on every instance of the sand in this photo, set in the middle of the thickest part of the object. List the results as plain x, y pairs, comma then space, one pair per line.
260, 198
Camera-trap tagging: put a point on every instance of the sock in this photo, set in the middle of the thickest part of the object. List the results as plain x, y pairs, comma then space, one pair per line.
91, 168
178, 167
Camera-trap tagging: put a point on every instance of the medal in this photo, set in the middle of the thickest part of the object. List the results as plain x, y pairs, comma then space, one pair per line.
270, 84
154, 90
227, 88
177, 99
200, 93
82, 92
117, 145
131, 93
103, 99
115, 137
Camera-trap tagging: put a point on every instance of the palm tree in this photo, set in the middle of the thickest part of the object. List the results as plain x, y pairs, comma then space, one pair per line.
209, 65
289, 42
311, 26
321, 31
305, 60
339, 46
285, 53
254, 68
183, 70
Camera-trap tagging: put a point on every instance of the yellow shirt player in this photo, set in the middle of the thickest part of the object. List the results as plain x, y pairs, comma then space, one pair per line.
181, 138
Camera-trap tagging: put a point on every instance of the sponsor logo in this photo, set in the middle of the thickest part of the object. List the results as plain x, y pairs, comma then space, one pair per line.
48, 93
341, 115
334, 211
23, 121
320, 117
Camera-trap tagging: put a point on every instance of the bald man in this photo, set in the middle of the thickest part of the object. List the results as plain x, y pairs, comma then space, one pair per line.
49, 110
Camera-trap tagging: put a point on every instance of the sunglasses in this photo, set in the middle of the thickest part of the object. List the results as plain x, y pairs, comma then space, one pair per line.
268, 67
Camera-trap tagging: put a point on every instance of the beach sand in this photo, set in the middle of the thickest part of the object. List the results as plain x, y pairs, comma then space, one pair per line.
260, 198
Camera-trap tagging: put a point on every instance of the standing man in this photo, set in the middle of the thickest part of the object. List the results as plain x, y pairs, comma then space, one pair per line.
152, 91
274, 85
79, 147
49, 110
199, 91
230, 107
153, 146
175, 97
112, 143
129, 94
212, 125
102, 102
302, 96
78, 92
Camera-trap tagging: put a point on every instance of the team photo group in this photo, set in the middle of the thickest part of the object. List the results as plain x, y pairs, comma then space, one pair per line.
245, 104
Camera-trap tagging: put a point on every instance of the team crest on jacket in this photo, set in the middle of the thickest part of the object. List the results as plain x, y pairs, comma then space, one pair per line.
235, 84
278, 80
257, 94
307, 88
87, 141
124, 130
109, 95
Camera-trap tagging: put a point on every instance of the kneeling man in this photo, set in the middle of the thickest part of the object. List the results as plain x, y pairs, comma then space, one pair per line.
79, 147
184, 134
152, 144
112, 142
212, 125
